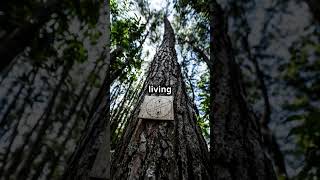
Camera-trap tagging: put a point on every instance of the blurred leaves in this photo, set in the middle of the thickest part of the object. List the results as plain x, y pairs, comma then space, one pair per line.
65, 55
303, 73
307, 136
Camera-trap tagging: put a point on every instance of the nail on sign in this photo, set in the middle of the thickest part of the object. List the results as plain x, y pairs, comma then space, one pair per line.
157, 107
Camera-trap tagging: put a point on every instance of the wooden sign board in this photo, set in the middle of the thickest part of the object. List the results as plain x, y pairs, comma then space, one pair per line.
157, 107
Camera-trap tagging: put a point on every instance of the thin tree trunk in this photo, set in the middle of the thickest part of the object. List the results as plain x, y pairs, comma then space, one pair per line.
83, 158
74, 124
6, 117
48, 155
115, 120
115, 93
269, 140
235, 138
97, 131
155, 149
35, 146
124, 119
17, 122
19, 153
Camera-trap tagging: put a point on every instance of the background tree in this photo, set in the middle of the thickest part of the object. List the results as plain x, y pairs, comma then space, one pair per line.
261, 34
56, 80
235, 135
48, 89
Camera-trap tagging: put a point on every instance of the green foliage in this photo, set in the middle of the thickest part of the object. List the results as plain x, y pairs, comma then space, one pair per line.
75, 51
302, 73
297, 104
53, 101
307, 136
127, 33
204, 107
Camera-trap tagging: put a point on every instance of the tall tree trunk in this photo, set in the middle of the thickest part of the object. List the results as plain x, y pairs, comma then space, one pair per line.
235, 138
155, 149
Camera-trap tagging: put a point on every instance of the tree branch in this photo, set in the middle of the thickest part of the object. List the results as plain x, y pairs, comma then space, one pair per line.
199, 51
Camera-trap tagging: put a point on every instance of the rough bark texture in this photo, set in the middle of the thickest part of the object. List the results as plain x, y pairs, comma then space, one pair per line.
155, 149
236, 142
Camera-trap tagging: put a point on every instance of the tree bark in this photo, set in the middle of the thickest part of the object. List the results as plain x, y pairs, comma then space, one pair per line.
235, 138
155, 149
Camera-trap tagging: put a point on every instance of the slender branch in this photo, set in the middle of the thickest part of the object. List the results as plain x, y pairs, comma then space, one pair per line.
199, 51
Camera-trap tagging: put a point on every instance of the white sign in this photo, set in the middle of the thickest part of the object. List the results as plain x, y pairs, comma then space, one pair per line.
157, 107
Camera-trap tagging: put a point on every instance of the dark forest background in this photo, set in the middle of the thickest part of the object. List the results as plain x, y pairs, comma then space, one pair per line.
54, 66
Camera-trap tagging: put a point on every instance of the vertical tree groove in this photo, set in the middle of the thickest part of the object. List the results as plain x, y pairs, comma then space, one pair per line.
236, 142
95, 136
156, 149
94, 144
